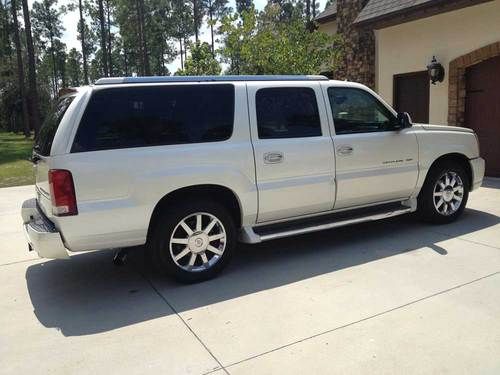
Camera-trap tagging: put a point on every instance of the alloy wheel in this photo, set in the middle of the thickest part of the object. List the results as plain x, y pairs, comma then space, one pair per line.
198, 242
448, 193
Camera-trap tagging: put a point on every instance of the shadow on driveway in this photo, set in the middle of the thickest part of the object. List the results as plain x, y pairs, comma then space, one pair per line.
88, 295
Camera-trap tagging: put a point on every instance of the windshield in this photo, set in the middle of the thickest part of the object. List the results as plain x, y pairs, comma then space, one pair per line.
49, 127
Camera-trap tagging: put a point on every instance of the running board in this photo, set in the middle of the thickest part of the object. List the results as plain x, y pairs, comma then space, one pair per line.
292, 228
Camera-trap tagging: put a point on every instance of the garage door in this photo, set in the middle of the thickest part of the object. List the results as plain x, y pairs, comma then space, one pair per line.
411, 94
482, 110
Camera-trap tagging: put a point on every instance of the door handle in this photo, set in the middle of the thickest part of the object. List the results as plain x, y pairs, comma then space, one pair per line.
344, 150
273, 157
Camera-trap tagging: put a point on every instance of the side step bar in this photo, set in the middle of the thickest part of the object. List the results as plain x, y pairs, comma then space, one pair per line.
274, 231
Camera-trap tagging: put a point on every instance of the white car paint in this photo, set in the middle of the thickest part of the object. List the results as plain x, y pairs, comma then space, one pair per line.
117, 190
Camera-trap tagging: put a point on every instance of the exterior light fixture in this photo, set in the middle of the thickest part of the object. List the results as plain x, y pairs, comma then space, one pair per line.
436, 71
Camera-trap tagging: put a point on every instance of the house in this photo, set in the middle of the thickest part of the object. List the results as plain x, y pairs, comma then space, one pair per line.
388, 45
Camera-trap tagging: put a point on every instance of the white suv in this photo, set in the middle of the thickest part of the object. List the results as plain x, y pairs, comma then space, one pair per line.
190, 165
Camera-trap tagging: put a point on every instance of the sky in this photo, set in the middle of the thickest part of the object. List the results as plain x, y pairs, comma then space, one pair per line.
70, 22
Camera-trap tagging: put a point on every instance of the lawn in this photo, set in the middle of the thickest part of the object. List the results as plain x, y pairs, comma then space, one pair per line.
15, 169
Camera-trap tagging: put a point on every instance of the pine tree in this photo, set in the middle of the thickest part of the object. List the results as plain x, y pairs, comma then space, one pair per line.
48, 26
33, 96
20, 68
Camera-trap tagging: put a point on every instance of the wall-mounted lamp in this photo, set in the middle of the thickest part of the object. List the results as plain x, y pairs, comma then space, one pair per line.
436, 71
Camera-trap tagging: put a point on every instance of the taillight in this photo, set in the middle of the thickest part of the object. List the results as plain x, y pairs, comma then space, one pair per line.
62, 193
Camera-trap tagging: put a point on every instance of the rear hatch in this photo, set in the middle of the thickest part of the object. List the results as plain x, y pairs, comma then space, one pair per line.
42, 152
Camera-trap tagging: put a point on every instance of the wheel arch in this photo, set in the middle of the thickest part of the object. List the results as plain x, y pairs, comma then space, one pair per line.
456, 157
219, 193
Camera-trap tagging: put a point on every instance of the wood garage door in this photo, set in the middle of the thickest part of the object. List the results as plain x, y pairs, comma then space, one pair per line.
482, 110
411, 94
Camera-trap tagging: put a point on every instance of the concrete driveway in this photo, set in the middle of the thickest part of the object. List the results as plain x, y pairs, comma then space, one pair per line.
389, 297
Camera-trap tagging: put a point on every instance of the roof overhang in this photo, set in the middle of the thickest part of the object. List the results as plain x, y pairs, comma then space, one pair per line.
326, 19
422, 10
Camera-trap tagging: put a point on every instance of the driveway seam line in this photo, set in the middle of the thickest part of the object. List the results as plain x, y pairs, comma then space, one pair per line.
19, 261
185, 323
363, 319
466, 240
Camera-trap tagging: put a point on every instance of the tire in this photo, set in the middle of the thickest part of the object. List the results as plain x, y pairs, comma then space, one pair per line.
443, 200
196, 256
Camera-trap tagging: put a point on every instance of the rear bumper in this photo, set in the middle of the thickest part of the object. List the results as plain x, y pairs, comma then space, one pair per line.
477, 166
40, 232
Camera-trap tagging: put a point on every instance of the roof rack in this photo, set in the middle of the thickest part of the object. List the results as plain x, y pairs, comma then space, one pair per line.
158, 79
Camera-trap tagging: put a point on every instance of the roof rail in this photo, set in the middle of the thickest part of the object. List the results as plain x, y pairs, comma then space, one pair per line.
158, 79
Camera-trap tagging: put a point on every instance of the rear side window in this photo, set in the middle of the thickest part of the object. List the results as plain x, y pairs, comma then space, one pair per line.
287, 112
43, 143
152, 116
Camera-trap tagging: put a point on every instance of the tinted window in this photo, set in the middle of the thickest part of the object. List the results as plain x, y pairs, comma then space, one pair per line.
152, 116
290, 112
49, 127
357, 111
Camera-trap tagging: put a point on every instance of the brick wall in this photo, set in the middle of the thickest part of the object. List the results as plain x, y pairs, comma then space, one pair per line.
358, 62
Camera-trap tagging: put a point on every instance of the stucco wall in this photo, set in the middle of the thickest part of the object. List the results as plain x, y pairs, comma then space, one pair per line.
330, 27
409, 48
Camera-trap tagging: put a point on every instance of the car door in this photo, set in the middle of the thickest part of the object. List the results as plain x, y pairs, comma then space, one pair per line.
376, 161
293, 149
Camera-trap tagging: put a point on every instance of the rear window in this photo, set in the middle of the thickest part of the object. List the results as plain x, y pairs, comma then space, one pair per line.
152, 116
43, 143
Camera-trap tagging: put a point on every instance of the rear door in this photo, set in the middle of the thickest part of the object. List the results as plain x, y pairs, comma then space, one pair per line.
293, 149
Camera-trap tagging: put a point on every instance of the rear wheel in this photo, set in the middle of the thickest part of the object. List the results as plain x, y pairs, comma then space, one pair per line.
193, 241
444, 194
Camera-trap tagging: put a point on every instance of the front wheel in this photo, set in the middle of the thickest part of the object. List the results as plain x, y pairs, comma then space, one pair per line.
193, 242
444, 194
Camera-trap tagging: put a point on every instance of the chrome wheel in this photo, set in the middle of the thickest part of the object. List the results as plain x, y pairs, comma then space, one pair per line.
448, 193
198, 242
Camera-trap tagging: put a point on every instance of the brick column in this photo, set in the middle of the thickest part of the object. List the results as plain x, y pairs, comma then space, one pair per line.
358, 61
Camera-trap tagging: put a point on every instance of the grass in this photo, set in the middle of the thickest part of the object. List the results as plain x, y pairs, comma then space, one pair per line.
15, 168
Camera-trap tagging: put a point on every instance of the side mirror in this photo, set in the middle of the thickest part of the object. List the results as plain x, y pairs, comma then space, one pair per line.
404, 120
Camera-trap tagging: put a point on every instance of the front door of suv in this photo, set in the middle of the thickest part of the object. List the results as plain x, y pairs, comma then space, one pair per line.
293, 149
375, 161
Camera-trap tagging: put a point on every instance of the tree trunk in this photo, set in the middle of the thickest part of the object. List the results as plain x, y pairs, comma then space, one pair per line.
195, 19
182, 57
54, 68
5, 30
210, 14
308, 10
314, 9
162, 59
185, 50
125, 62
147, 67
142, 38
33, 101
103, 39
62, 72
110, 58
139, 25
84, 46
20, 68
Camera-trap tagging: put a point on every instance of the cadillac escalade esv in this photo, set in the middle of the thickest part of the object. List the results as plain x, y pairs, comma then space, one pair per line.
189, 166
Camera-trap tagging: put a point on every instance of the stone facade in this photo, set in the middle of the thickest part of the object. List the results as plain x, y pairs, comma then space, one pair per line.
358, 61
456, 87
